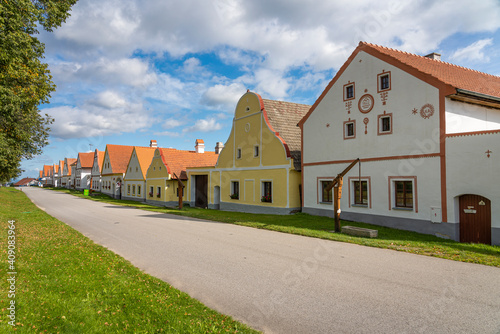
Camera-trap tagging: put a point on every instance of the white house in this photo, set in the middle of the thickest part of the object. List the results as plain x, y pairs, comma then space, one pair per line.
95, 175
427, 134
83, 170
135, 175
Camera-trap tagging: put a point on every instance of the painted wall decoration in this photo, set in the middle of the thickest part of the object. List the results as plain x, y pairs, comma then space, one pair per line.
366, 103
414, 111
348, 106
383, 97
427, 111
365, 121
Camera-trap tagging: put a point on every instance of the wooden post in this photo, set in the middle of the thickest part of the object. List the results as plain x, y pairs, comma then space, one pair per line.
337, 195
179, 185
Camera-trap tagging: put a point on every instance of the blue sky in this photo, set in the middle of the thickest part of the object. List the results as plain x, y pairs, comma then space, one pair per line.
128, 71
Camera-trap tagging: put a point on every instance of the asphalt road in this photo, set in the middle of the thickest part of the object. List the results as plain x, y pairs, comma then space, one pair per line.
281, 283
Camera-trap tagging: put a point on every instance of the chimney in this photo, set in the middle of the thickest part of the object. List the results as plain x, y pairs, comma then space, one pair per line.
199, 146
152, 143
218, 147
434, 55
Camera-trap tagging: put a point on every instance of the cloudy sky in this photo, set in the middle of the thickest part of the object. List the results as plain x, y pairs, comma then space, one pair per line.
128, 71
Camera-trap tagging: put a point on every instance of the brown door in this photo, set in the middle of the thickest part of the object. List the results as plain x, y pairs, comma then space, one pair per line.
475, 219
201, 198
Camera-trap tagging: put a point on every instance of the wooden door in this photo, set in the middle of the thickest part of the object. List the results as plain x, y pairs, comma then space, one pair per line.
475, 219
201, 192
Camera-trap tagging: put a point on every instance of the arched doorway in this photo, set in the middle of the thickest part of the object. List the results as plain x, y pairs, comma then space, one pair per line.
475, 219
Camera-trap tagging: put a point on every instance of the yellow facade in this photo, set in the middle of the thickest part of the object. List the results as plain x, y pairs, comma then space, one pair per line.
160, 187
253, 155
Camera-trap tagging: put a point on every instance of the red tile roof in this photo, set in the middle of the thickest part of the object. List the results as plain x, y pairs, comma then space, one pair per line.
23, 182
46, 170
86, 159
41, 173
145, 156
177, 160
100, 159
282, 118
441, 74
56, 169
119, 156
450, 74
69, 162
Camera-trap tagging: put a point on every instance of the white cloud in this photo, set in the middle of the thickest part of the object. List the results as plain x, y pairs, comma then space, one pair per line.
106, 114
223, 95
204, 125
172, 123
473, 52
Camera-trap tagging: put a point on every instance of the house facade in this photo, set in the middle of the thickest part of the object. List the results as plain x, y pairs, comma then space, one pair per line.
66, 174
167, 167
116, 158
83, 170
135, 176
426, 133
259, 167
95, 175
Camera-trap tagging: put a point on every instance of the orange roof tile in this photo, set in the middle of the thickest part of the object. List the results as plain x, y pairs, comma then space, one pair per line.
119, 156
144, 156
177, 161
450, 74
41, 173
69, 162
56, 168
23, 182
86, 159
46, 170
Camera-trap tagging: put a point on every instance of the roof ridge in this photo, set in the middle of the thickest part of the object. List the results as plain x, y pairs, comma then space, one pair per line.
428, 59
302, 104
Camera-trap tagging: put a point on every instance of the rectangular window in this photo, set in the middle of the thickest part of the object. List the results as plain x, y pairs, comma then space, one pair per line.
384, 124
158, 192
151, 191
384, 82
404, 194
361, 195
256, 151
128, 189
349, 129
133, 190
267, 192
139, 190
238, 153
235, 189
183, 192
326, 196
349, 91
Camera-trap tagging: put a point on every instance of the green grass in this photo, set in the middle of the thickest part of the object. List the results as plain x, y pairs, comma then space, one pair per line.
66, 283
319, 227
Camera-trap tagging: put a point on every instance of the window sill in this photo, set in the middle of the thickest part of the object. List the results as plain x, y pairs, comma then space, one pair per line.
329, 203
360, 205
402, 209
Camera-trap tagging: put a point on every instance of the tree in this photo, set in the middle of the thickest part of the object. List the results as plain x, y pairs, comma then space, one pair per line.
25, 81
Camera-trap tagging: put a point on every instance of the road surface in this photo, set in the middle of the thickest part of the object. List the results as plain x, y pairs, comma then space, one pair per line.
282, 283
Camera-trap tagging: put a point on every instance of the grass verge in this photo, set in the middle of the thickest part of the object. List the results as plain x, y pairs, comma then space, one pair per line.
65, 283
319, 227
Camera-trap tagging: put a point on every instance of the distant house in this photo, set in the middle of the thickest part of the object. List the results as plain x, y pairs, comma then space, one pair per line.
168, 166
66, 174
55, 175
47, 175
26, 182
258, 169
135, 176
95, 175
427, 134
83, 170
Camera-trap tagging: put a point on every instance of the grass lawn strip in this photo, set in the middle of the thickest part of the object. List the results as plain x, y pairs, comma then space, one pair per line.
319, 227
68, 284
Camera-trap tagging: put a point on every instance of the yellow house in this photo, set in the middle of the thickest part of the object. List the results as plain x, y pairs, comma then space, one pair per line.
258, 169
135, 176
167, 166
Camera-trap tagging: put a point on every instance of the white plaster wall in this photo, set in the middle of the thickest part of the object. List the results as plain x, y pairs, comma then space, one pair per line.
412, 134
428, 189
470, 171
465, 117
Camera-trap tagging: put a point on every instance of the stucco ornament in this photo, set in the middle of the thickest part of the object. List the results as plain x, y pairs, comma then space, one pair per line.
365, 104
427, 111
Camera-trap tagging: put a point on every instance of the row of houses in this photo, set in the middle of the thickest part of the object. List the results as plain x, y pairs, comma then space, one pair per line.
424, 133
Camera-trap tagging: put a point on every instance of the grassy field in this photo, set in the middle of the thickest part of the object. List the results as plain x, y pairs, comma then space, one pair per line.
65, 283
319, 227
